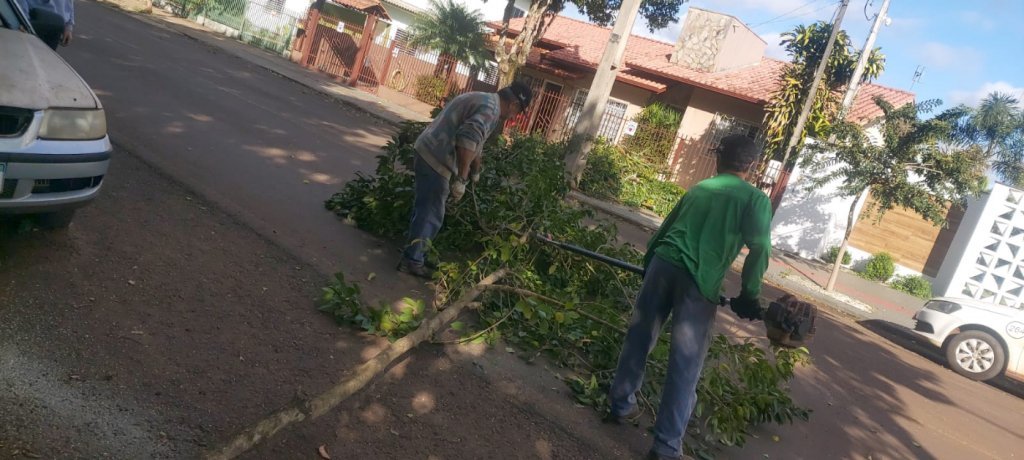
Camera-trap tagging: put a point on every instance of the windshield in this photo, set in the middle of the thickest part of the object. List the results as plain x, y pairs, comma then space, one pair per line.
9, 17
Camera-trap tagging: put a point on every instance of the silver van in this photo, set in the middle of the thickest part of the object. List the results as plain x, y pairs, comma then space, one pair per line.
54, 149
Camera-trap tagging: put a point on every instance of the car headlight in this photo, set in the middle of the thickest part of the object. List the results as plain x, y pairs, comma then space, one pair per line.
67, 124
942, 306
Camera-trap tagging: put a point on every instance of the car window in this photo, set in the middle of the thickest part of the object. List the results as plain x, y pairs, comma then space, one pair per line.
9, 17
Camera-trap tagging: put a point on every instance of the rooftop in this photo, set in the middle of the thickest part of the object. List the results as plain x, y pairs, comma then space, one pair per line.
647, 61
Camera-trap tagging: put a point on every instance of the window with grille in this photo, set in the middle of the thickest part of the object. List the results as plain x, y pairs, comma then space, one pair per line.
724, 125
276, 6
611, 122
518, 12
489, 74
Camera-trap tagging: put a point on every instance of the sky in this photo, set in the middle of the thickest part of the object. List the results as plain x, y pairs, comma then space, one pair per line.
967, 48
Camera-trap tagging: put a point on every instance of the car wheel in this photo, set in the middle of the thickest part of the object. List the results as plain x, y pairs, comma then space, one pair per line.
976, 355
56, 220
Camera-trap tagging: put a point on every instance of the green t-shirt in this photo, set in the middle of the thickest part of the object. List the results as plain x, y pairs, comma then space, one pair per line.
707, 228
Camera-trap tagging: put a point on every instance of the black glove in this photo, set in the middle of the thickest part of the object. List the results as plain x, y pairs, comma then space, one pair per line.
748, 309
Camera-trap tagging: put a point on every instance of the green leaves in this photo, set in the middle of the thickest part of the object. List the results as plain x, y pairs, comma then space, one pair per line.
919, 165
342, 301
806, 47
556, 304
613, 174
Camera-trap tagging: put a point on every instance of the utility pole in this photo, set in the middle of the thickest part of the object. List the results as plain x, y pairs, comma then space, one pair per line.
597, 97
805, 111
865, 53
851, 93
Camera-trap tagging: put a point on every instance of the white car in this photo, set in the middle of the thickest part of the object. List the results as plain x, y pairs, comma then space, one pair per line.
54, 149
981, 340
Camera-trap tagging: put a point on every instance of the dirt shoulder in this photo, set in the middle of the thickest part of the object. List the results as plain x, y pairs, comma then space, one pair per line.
158, 325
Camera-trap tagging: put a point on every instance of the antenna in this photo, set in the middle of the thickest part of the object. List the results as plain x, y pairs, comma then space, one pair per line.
918, 73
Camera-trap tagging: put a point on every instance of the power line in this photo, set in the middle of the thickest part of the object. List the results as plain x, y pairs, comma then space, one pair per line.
789, 13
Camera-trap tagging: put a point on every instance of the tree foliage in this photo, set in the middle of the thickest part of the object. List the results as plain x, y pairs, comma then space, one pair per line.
455, 32
806, 46
997, 124
919, 164
553, 303
511, 53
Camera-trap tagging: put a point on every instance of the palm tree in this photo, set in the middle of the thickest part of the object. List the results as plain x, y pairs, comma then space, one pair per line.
806, 45
455, 32
998, 125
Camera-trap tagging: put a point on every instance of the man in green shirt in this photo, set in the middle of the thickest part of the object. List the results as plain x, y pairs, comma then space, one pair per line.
685, 264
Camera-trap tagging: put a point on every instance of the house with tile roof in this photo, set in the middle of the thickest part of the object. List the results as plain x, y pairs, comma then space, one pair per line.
716, 76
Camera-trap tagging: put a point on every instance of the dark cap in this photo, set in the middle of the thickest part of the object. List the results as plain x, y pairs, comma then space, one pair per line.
520, 92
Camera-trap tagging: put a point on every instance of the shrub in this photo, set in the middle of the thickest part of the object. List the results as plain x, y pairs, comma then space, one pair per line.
915, 285
830, 256
880, 267
613, 175
430, 89
655, 134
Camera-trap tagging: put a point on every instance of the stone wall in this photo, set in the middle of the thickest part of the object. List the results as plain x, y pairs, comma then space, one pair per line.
701, 40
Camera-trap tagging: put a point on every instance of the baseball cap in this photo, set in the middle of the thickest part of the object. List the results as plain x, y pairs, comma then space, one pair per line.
521, 92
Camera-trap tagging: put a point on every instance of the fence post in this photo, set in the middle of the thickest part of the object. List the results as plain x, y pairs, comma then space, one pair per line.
241, 28
312, 27
364, 47
387, 63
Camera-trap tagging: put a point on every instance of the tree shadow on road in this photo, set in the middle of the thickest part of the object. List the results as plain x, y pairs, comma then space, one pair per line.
868, 398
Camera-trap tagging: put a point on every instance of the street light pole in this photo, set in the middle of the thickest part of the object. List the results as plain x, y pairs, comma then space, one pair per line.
865, 54
597, 98
805, 111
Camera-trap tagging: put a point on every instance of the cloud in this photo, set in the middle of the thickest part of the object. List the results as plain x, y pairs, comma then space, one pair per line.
973, 97
790, 8
976, 20
906, 24
668, 34
775, 49
942, 56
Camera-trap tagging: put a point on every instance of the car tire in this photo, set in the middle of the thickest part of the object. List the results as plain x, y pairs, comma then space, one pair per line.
56, 220
976, 355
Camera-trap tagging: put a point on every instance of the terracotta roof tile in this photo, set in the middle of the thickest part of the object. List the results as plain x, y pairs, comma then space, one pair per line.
583, 43
367, 6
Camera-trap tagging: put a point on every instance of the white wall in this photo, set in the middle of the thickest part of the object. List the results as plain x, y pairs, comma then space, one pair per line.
297, 8
809, 220
986, 259
492, 10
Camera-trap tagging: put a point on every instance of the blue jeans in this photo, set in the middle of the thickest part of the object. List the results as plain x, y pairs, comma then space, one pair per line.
666, 289
427, 210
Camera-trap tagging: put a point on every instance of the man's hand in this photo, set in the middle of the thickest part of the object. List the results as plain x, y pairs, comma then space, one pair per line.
458, 189
746, 308
65, 38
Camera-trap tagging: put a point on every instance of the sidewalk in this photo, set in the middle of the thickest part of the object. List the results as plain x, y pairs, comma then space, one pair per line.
854, 296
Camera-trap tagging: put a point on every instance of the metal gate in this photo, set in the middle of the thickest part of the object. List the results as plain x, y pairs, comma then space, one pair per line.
695, 159
334, 47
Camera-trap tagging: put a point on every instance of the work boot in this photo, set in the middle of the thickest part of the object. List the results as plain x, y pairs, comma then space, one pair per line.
415, 269
628, 418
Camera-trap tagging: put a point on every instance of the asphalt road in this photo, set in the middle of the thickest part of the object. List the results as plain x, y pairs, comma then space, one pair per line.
268, 152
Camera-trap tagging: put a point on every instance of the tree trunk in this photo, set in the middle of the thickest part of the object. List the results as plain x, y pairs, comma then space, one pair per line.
850, 221
512, 56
